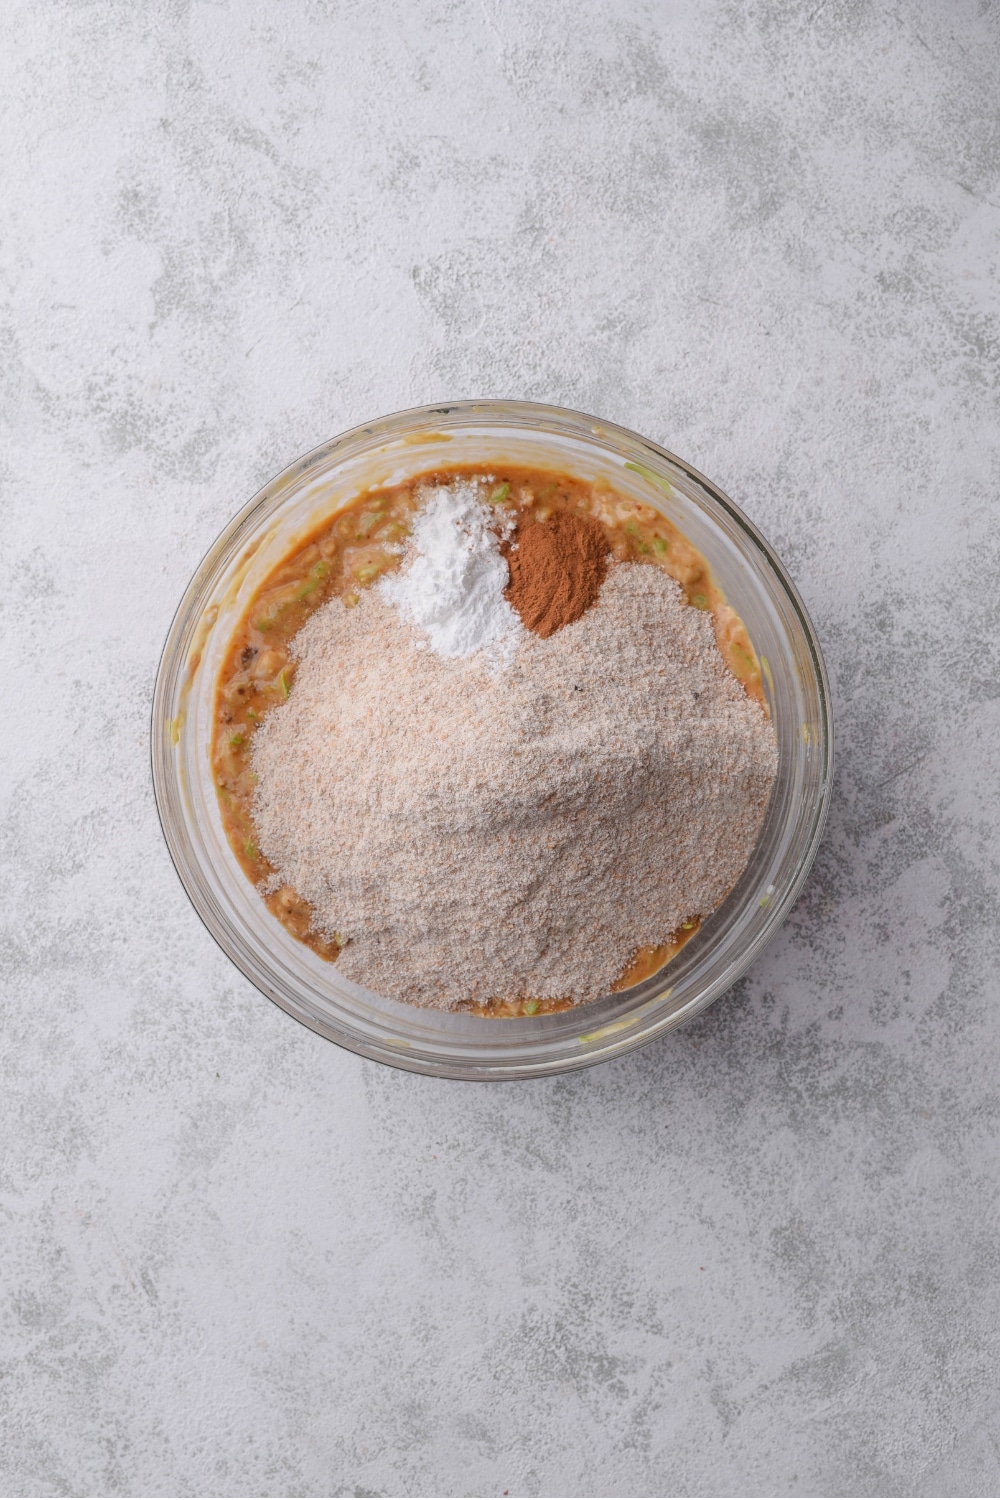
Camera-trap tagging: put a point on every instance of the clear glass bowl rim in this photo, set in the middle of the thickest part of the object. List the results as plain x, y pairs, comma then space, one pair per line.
619, 1037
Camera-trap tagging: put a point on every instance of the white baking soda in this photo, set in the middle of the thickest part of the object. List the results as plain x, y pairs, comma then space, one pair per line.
452, 586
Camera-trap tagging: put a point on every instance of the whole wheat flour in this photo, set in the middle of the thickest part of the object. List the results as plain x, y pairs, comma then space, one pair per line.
475, 835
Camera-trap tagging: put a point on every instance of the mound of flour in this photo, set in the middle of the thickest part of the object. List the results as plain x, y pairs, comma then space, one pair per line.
477, 835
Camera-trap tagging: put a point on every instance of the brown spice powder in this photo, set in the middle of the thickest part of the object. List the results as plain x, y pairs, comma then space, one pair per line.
556, 570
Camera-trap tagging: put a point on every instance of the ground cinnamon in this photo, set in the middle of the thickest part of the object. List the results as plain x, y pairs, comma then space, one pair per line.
556, 569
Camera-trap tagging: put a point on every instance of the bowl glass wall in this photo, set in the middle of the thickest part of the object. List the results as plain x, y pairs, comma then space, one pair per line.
391, 450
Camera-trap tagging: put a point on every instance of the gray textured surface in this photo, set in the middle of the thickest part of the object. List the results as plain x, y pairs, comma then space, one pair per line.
761, 1257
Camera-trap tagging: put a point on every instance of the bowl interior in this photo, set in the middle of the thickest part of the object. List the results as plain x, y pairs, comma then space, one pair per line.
390, 451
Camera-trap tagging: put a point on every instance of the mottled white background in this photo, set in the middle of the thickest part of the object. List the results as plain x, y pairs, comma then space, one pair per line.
761, 1257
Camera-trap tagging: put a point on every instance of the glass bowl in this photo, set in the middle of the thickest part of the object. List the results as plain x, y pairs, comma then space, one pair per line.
389, 451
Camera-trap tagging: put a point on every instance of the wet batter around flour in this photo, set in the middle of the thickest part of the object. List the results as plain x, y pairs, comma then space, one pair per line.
493, 741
